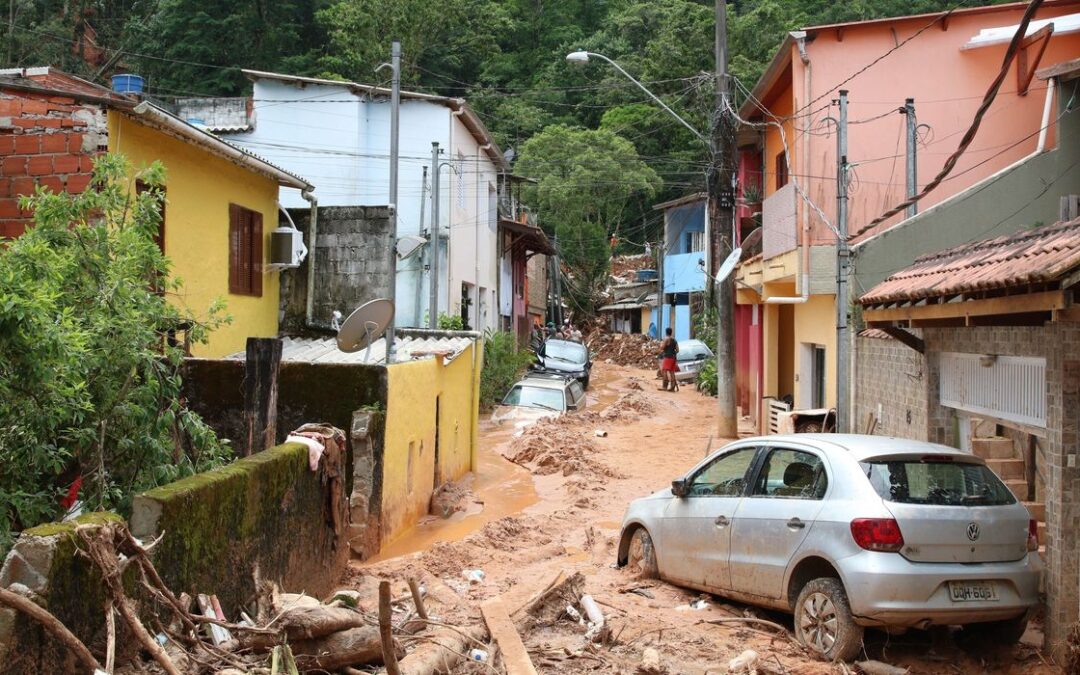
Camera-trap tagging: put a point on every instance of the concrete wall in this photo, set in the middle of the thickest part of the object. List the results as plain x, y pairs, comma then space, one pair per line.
49, 141
890, 384
199, 189
473, 230
268, 511
352, 264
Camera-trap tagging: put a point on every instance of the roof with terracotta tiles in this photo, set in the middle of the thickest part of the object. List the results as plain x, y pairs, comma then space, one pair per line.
1040, 255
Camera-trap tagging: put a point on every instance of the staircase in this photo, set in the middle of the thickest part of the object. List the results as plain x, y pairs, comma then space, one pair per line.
1003, 458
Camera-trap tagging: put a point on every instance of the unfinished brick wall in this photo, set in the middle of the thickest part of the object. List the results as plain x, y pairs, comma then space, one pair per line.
892, 376
44, 140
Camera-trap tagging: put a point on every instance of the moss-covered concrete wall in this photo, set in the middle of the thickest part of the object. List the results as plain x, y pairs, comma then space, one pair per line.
44, 560
268, 511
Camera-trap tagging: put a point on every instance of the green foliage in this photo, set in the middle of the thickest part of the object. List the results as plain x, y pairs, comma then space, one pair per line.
503, 365
707, 382
451, 322
88, 384
585, 180
705, 323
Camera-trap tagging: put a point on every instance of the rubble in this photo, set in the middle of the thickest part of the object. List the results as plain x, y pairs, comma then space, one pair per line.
637, 351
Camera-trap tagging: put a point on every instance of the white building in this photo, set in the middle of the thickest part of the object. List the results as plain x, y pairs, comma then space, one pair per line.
338, 135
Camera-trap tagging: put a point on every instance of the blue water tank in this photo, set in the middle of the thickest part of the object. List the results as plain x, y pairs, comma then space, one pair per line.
646, 275
127, 84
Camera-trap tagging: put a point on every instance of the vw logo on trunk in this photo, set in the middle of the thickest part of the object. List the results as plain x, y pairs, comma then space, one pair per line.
973, 531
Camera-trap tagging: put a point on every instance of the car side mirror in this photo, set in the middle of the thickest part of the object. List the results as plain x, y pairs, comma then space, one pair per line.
679, 488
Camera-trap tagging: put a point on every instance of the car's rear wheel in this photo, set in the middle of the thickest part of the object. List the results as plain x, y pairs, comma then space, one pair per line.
641, 556
823, 621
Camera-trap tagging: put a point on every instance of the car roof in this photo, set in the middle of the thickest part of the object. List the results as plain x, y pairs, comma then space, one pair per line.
861, 446
569, 342
694, 342
544, 381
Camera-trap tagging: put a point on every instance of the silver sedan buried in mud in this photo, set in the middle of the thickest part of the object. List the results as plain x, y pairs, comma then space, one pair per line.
845, 532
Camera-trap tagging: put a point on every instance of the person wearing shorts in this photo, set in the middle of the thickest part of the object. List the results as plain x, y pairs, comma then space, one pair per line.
669, 349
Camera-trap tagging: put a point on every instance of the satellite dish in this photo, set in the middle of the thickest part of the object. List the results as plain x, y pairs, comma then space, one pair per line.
729, 266
365, 324
751, 240
408, 245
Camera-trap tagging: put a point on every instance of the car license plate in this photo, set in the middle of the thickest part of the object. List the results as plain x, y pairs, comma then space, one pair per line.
972, 591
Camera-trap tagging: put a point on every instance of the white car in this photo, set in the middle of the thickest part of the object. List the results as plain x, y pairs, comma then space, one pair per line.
539, 395
845, 532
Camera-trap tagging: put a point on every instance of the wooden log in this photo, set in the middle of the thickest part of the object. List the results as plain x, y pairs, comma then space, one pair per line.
445, 650
385, 634
514, 655
51, 624
354, 646
260, 394
418, 600
305, 623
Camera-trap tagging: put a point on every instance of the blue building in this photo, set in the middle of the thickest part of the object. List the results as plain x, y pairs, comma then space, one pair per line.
686, 257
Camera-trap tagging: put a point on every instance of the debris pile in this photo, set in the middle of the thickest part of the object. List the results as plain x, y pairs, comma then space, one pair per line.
637, 351
549, 446
630, 404
624, 268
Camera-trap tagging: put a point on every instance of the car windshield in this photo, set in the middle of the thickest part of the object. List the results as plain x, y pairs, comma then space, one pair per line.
536, 397
938, 482
571, 352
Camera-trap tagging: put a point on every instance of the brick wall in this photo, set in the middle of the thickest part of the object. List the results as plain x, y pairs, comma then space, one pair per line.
44, 140
893, 376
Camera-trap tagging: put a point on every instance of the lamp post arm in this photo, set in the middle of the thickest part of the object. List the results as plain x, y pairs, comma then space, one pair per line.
653, 96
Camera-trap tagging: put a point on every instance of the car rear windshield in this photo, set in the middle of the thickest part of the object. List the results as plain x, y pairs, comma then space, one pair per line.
693, 353
946, 483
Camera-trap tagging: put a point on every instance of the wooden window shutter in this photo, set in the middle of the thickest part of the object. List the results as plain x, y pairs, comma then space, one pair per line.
256, 248
236, 230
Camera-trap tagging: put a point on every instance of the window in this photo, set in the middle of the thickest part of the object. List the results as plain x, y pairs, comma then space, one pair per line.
938, 481
725, 476
159, 238
791, 474
781, 170
245, 251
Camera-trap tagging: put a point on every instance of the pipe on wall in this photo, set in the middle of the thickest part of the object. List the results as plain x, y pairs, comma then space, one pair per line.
313, 234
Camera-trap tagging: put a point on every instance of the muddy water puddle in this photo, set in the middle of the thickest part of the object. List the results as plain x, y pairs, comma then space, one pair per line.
501, 488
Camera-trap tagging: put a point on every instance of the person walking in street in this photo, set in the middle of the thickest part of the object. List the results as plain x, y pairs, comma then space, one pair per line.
669, 349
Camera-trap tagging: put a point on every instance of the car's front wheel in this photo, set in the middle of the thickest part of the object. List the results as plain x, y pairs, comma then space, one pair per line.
823, 621
641, 556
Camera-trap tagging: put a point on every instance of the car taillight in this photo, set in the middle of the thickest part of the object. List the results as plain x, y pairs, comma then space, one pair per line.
1033, 535
877, 534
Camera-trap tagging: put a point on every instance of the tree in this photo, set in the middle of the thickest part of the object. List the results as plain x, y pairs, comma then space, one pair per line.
89, 386
585, 180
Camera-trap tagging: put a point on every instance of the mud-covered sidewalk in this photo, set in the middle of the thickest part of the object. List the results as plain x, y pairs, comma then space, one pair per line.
547, 504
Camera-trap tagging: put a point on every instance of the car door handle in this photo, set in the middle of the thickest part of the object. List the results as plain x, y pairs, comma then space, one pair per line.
796, 524
722, 521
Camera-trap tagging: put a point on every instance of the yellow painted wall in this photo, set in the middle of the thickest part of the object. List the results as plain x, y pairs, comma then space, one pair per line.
409, 451
199, 188
782, 106
815, 323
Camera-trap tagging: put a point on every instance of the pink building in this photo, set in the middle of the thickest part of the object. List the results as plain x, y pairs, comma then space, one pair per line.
945, 62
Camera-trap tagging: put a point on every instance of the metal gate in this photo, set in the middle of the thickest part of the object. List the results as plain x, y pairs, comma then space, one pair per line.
1009, 388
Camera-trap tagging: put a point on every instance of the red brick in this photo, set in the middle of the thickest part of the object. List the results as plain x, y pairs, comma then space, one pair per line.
5, 188
86, 163
65, 164
64, 100
74, 142
26, 123
13, 166
7, 145
50, 122
28, 144
40, 165
68, 123
54, 183
77, 183
54, 143
9, 208
22, 185
10, 107
12, 228
35, 107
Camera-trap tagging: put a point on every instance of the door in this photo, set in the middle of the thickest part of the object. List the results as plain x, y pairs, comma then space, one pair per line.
773, 520
695, 530
817, 378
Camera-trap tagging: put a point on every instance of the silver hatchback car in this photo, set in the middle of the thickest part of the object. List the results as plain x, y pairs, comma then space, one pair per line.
845, 531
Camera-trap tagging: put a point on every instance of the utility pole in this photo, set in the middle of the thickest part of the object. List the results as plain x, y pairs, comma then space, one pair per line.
912, 169
395, 110
721, 220
433, 301
843, 367
418, 316
557, 280
660, 250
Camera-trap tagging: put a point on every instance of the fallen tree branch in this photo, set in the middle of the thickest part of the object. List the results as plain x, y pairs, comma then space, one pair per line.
385, 635
51, 624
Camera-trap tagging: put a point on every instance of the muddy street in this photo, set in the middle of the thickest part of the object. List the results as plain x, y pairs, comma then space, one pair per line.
547, 503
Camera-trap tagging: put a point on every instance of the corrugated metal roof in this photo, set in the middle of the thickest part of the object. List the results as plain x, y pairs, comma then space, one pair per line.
409, 347
1041, 255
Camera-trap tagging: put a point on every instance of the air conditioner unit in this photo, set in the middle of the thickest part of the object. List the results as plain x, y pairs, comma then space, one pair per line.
287, 249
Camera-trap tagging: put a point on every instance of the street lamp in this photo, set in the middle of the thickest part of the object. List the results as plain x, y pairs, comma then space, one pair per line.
582, 56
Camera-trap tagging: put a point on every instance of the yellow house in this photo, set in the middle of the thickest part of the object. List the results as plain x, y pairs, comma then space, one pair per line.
221, 205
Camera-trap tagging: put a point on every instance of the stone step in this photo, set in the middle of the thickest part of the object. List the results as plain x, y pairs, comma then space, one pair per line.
1037, 510
1007, 468
1018, 487
993, 448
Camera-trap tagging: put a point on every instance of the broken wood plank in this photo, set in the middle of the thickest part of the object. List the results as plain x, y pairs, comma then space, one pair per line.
514, 655
261, 394
387, 638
